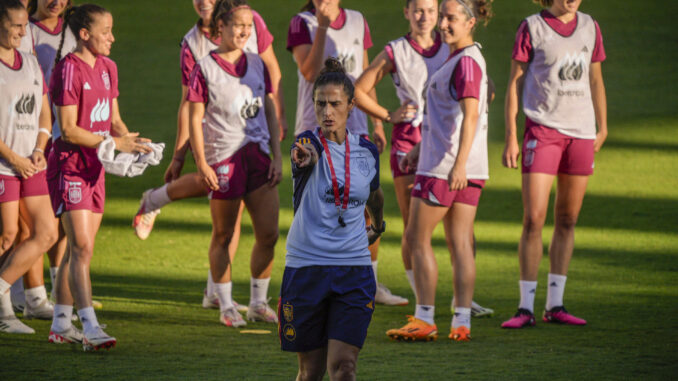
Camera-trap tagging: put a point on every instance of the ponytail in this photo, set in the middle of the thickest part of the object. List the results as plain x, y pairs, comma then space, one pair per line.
309, 6
77, 18
223, 10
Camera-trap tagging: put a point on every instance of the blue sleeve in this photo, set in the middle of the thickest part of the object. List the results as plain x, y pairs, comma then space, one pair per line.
300, 176
374, 184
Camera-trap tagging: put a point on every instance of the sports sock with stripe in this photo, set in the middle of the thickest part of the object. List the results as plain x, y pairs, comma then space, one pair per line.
4, 286
62, 317
35, 295
528, 290
210, 285
158, 198
17, 292
462, 316
88, 319
223, 292
425, 313
259, 290
6, 309
556, 289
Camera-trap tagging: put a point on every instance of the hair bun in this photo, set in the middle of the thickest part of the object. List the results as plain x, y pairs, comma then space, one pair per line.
333, 65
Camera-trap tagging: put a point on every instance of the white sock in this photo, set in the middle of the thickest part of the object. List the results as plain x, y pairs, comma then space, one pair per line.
17, 292
62, 317
88, 319
35, 295
223, 291
52, 275
6, 305
410, 279
210, 284
425, 313
554, 295
374, 269
158, 198
528, 290
4, 286
462, 316
259, 290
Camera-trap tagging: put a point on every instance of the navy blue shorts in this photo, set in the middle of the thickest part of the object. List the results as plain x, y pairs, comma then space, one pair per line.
318, 303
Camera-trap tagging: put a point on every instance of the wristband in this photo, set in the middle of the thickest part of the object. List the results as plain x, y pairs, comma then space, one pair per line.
38, 150
379, 231
388, 118
45, 131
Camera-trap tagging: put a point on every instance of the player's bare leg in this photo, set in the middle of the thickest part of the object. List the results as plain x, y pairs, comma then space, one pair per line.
342, 359
312, 364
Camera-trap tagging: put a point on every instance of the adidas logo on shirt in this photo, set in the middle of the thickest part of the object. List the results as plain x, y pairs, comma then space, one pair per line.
35, 82
586, 49
356, 42
87, 86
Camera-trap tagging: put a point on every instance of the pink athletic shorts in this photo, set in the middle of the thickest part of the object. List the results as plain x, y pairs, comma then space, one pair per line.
396, 156
437, 191
70, 191
13, 188
242, 173
545, 150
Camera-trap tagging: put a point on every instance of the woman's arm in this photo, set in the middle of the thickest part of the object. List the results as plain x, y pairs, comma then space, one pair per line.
457, 177
599, 103
275, 169
512, 103
375, 208
44, 133
181, 142
378, 135
273, 67
196, 112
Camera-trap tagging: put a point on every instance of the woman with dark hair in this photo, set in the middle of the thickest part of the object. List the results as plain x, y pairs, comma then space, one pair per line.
84, 91
328, 288
231, 91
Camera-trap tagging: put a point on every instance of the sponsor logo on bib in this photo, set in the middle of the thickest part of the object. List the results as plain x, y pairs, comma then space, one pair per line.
100, 112
251, 108
25, 104
347, 59
571, 67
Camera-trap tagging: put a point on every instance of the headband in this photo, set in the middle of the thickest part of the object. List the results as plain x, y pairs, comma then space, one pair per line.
239, 7
468, 10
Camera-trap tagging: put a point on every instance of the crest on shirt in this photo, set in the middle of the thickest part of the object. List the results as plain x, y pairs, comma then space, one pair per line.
571, 67
2, 187
107, 80
363, 166
74, 192
223, 177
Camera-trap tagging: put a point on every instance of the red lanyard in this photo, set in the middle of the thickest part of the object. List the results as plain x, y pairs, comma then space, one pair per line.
341, 207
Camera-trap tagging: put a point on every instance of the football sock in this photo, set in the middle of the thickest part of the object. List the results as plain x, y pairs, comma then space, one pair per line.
210, 285
259, 290
88, 319
462, 316
17, 292
425, 313
62, 317
35, 295
374, 269
158, 198
4, 286
528, 289
556, 289
410, 279
223, 291
6, 305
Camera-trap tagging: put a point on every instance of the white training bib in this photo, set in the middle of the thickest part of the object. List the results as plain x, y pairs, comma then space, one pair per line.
557, 91
442, 124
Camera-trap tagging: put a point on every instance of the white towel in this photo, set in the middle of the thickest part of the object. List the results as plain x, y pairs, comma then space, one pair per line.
128, 164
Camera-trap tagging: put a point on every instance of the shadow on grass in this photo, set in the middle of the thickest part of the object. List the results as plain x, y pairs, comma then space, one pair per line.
651, 146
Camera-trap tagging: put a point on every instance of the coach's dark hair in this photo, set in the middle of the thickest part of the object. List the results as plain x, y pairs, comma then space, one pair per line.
6, 5
223, 10
334, 74
76, 18
33, 6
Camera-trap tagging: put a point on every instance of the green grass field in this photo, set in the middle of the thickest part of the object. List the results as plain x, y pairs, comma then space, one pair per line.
622, 280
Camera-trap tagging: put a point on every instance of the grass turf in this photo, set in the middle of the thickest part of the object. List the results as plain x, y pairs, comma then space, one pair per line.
623, 277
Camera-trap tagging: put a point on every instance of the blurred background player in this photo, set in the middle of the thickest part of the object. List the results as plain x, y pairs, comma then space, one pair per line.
451, 172
557, 66
324, 29
196, 44
24, 132
327, 292
231, 151
84, 90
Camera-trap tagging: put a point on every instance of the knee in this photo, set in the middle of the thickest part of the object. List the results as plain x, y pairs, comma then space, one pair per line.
222, 238
311, 374
47, 238
268, 239
82, 251
533, 223
344, 369
565, 221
